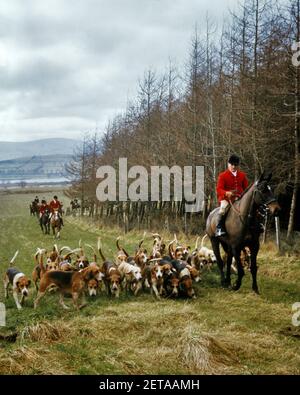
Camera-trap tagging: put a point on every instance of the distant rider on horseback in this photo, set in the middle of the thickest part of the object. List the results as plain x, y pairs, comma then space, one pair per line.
55, 205
43, 207
231, 184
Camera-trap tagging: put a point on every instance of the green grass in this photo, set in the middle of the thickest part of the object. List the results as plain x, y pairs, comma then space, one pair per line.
221, 332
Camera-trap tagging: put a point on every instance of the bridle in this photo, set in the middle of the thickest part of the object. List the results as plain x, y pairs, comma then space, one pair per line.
264, 204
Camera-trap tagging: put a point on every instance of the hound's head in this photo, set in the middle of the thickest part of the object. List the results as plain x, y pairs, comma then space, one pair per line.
212, 258
52, 256
82, 262
51, 266
92, 287
185, 252
114, 283
92, 272
65, 266
141, 256
136, 272
23, 284
167, 269
186, 286
178, 253
121, 257
195, 275
157, 271
174, 285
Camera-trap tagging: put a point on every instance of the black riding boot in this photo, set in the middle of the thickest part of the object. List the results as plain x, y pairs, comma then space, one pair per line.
220, 229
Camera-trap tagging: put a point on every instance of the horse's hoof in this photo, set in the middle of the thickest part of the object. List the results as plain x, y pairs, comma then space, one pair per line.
227, 283
256, 291
236, 287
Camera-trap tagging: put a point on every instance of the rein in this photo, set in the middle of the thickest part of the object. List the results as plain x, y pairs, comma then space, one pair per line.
239, 213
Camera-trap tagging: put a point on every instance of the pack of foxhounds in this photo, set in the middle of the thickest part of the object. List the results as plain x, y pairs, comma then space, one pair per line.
168, 271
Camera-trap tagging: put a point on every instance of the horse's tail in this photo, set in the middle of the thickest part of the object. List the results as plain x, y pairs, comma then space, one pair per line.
203, 238
14, 257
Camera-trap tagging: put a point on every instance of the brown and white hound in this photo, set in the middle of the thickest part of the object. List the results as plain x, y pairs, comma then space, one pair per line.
19, 282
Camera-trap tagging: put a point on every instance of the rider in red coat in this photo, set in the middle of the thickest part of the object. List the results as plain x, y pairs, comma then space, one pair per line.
230, 186
55, 205
43, 207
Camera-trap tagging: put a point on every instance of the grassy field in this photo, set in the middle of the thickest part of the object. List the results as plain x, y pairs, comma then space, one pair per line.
220, 332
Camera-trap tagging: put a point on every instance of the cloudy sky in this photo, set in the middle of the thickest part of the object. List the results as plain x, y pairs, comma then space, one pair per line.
68, 66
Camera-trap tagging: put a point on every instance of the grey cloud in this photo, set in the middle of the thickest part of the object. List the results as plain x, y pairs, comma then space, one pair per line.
71, 63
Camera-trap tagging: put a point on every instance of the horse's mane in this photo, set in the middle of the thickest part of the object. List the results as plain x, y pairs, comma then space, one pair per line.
245, 191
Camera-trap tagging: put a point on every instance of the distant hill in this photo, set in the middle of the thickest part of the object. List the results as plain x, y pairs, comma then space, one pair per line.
35, 168
54, 146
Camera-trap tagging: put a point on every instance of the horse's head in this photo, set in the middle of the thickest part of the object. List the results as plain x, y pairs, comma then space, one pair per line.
55, 215
264, 195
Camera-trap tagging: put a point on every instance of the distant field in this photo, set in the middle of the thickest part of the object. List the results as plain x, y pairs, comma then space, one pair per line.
221, 332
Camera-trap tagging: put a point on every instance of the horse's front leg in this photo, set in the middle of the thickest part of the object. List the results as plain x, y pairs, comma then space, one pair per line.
228, 268
241, 273
253, 269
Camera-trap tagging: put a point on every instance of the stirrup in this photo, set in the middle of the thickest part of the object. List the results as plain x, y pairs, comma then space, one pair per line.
220, 232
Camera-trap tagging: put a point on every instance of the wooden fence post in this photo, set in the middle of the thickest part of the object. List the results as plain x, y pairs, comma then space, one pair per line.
277, 226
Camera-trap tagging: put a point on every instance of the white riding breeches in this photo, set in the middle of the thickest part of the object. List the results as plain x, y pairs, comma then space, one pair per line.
224, 204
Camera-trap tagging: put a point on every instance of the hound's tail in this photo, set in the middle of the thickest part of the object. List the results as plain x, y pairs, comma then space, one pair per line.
157, 236
41, 252
36, 261
14, 257
142, 241
81, 248
121, 248
94, 252
99, 246
64, 248
71, 252
203, 238
170, 248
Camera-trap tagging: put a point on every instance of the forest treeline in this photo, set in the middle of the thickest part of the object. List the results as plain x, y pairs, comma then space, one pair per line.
237, 92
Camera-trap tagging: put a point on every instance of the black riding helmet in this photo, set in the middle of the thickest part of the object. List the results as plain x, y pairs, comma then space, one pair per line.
234, 160
55, 197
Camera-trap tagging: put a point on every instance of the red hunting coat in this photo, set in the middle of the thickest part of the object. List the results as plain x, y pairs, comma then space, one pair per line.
228, 182
43, 208
55, 205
